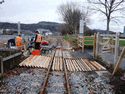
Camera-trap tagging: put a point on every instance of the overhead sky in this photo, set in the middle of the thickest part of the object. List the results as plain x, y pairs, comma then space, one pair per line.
34, 11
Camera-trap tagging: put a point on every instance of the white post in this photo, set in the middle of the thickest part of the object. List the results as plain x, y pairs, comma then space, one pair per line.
19, 28
116, 47
97, 44
81, 28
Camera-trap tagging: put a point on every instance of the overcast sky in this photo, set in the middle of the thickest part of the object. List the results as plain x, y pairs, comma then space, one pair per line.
33, 11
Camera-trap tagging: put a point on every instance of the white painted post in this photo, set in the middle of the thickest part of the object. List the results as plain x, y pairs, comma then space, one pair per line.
116, 47
97, 44
19, 28
81, 27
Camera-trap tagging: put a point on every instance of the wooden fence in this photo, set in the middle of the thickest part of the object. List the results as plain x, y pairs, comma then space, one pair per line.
82, 40
107, 45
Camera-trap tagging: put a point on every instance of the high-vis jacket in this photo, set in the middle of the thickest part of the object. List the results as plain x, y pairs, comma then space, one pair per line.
18, 38
38, 39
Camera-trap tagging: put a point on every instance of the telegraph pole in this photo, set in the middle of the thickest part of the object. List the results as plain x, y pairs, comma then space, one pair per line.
19, 28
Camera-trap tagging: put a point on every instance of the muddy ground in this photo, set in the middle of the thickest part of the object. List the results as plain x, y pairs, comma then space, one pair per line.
21, 79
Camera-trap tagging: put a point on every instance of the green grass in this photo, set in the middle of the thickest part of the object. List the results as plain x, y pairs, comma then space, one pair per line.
73, 42
121, 42
88, 42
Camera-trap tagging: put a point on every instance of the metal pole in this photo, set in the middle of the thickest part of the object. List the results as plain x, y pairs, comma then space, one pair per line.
19, 28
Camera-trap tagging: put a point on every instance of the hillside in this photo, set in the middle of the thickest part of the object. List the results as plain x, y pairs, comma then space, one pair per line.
52, 26
102, 31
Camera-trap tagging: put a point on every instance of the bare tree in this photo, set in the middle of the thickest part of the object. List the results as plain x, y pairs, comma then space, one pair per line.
71, 14
113, 10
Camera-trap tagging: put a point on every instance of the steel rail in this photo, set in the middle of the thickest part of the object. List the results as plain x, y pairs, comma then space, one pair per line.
65, 71
42, 91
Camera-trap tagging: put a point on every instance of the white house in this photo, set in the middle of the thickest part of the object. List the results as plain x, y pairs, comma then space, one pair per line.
1, 31
44, 32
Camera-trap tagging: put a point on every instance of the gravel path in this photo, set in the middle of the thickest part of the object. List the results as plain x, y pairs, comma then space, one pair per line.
28, 81
89, 83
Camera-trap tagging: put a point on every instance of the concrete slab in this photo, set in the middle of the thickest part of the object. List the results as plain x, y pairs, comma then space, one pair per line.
103, 73
80, 54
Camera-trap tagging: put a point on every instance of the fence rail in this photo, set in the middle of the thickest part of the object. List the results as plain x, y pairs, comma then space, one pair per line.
82, 40
107, 45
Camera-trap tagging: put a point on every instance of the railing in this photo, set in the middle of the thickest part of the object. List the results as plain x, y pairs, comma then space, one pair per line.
107, 45
83, 39
7, 58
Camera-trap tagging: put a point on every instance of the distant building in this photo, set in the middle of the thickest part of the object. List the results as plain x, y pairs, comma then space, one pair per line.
15, 32
44, 32
1, 31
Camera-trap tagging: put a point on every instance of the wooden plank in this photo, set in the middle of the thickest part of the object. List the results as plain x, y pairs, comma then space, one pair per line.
67, 65
83, 44
75, 65
28, 61
119, 61
61, 64
97, 45
116, 47
35, 63
95, 65
99, 65
90, 64
40, 61
53, 68
87, 67
111, 43
81, 65
88, 44
32, 63
25, 60
71, 65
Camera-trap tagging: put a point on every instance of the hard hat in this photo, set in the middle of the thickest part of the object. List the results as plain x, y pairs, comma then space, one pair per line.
19, 34
37, 32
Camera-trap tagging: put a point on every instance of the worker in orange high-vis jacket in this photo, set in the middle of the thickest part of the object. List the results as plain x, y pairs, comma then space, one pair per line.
18, 38
38, 39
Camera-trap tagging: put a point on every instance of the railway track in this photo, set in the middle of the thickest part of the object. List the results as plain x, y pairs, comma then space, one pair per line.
57, 65
56, 82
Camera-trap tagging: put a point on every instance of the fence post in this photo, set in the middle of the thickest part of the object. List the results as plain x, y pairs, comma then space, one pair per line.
78, 40
94, 45
116, 47
1, 64
119, 61
100, 46
97, 44
83, 44
111, 43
